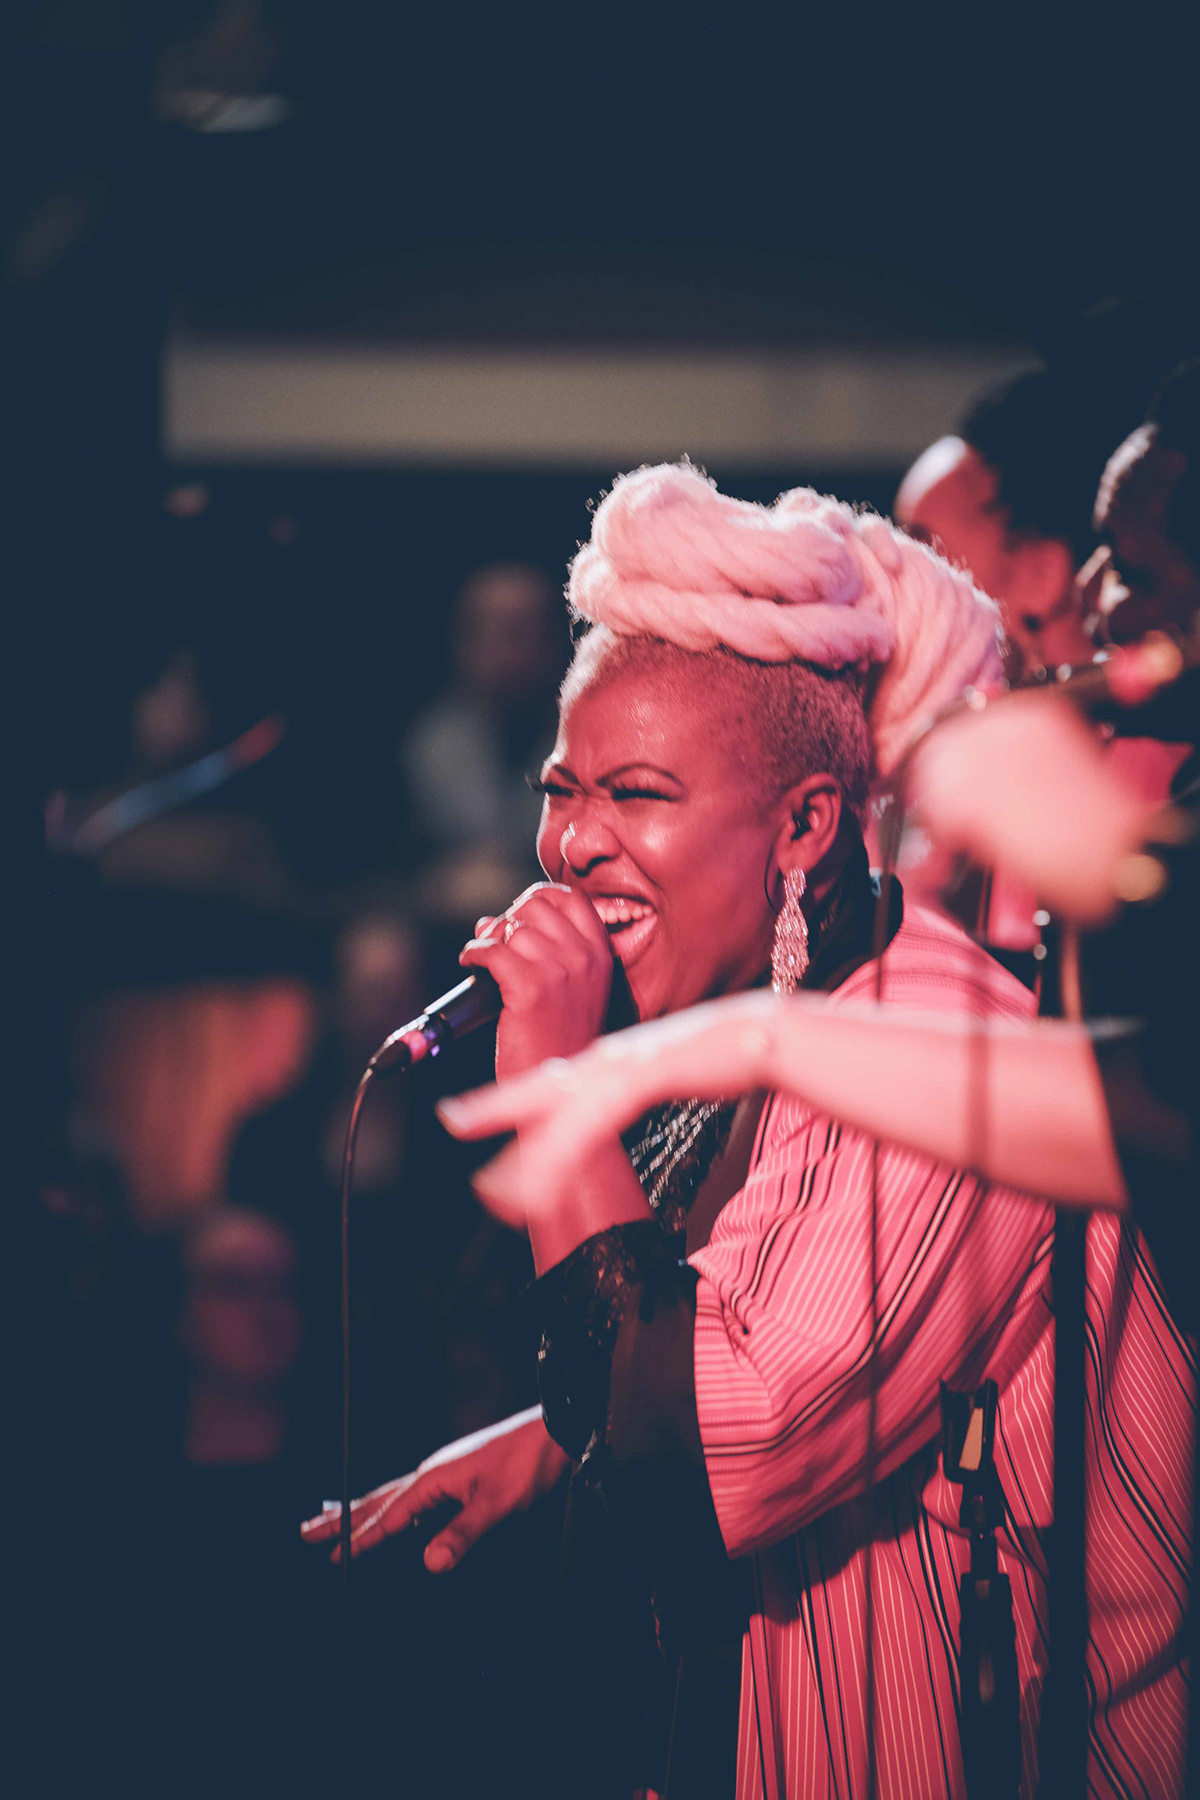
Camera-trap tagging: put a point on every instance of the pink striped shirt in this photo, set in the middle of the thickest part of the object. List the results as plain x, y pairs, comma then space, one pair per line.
781, 1367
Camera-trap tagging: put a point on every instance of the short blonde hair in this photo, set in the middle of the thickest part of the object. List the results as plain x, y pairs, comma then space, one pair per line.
780, 721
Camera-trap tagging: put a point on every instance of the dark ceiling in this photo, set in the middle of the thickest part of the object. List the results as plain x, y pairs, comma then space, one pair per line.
625, 172
646, 172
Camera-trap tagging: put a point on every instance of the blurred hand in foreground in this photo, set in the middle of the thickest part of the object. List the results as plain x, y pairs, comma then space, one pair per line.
488, 1475
565, 1109
1023, 785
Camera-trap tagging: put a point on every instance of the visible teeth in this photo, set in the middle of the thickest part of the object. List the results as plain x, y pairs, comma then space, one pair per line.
617, 909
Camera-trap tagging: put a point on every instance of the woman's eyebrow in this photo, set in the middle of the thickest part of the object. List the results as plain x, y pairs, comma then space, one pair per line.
559, 772
640, 768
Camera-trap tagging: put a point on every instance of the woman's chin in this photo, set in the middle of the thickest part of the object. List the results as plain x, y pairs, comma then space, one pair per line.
657, 991
657, 998
634, 952
647, 996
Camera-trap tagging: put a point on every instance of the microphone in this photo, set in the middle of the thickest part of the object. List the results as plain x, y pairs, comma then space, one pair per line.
1127, 675
1124, 677
474, 1002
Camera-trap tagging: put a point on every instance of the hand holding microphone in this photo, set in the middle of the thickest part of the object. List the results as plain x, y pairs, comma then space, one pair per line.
553, 986
551, 959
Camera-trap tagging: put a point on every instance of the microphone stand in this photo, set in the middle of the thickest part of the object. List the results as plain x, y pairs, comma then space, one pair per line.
1063, 1750
1123, 678
990, 1727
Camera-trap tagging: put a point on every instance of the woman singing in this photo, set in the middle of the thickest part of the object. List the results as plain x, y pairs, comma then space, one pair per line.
708, 1359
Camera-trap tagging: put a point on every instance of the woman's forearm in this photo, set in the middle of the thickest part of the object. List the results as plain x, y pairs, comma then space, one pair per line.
603, 1191
1024, 1105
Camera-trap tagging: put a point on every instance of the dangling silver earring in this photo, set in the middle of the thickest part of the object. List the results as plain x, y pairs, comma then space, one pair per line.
789, 952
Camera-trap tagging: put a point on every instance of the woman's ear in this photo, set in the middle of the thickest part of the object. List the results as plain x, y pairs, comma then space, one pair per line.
810, 818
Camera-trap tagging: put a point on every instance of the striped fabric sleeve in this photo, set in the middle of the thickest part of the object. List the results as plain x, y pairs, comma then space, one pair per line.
783, 1312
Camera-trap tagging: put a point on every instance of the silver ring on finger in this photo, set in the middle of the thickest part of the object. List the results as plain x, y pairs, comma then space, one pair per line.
513, 925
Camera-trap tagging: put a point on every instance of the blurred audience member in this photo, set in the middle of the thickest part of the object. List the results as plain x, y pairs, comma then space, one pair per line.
1146, 515
166, 819
201, 1016
379, 982
213, 844
240, 1330
175, 1378
230, 1606
466, 757
171, 719
379, 970
1009, 498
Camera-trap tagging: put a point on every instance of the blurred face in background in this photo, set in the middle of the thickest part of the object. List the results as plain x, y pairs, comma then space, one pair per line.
380, 979
171, 719
240, 1325
950, 500
506, 636
167, 1077
1146, 581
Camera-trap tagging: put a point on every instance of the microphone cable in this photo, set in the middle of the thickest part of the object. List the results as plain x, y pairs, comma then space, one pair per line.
474, 1002
360, 1095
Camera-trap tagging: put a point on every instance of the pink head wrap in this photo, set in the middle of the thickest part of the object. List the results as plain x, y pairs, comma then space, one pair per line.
808, 578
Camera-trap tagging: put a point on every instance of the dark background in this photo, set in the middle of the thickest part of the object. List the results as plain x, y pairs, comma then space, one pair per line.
461, 175
537, 177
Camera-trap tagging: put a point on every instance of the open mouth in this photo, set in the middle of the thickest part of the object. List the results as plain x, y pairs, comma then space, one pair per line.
629, 922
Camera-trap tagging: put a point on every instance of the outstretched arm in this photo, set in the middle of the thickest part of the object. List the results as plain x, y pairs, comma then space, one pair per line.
1022, 1103
481, 1479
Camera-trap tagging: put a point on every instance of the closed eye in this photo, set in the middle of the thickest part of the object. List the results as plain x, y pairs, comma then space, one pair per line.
618, 791
558, 789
